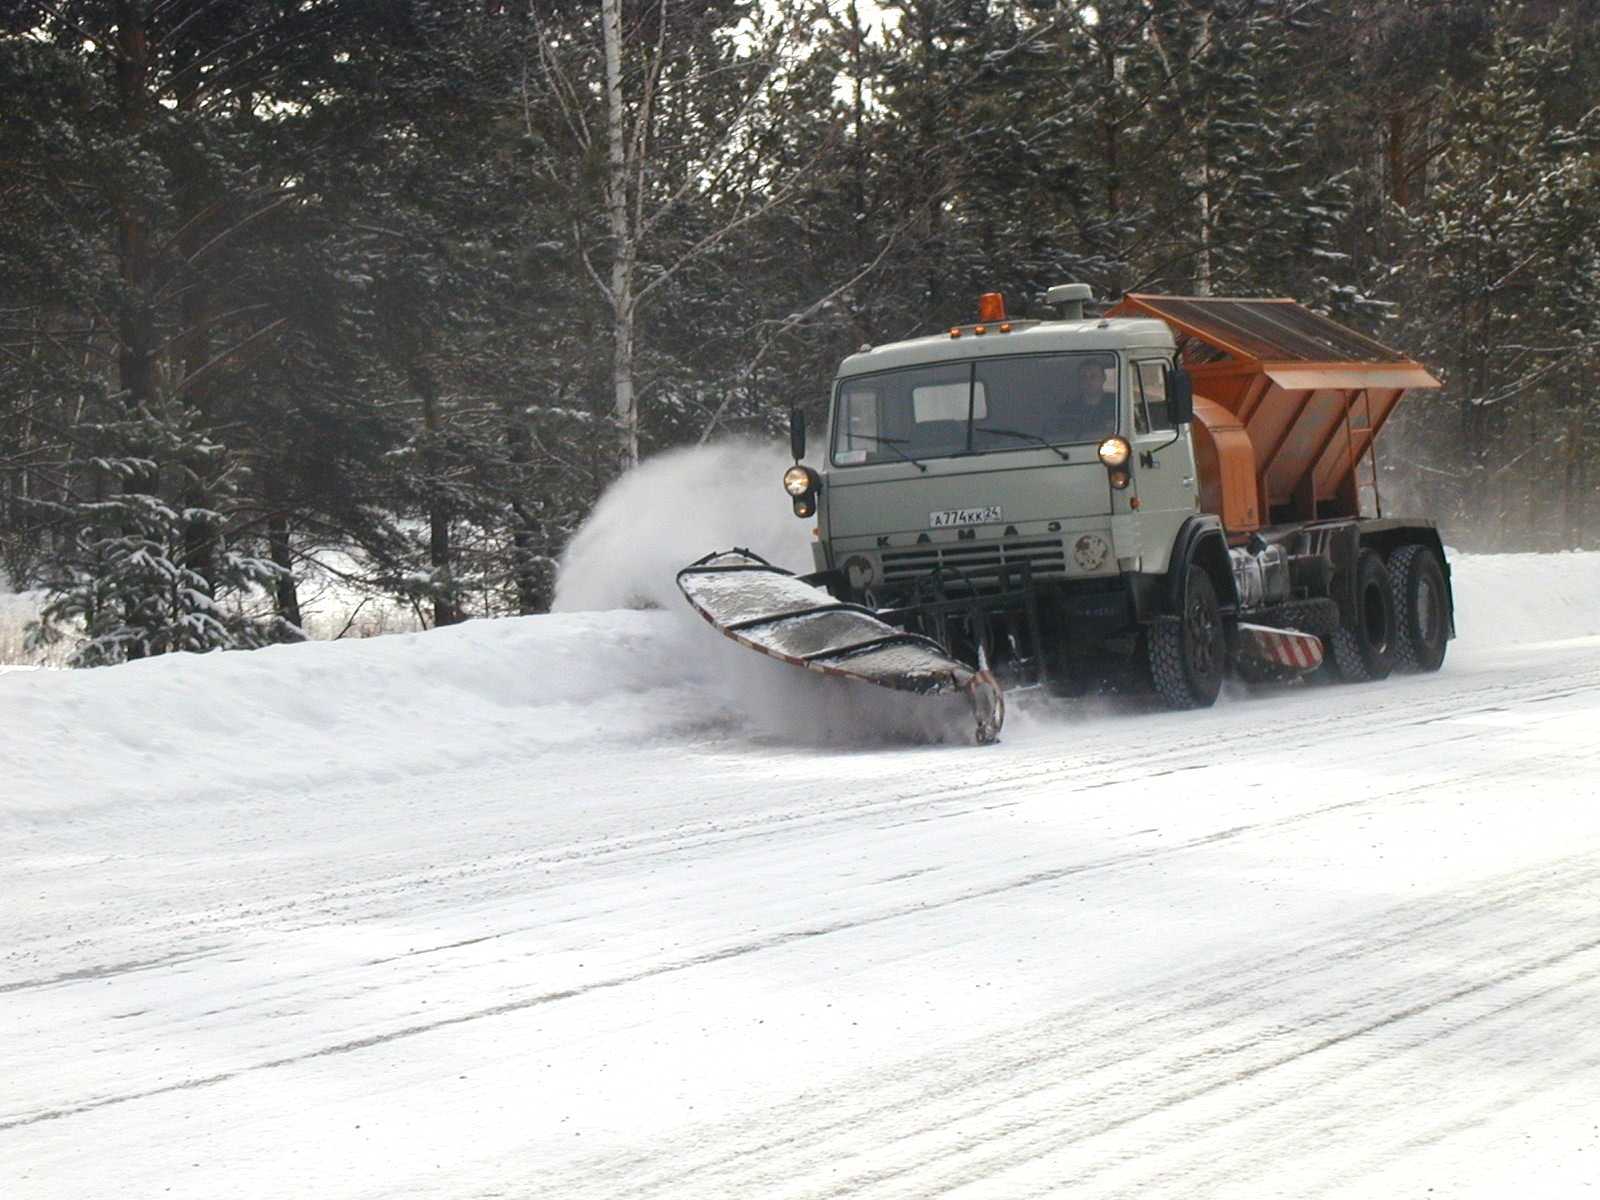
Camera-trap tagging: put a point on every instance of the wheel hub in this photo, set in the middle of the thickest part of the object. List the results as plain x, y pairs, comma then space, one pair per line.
1202, 637
1427, 610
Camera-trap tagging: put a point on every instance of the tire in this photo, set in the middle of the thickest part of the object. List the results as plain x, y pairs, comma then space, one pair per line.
1364, 652
1421, 608
1188, 655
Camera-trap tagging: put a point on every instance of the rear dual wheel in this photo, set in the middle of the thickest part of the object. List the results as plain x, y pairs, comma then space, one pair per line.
1421, 606
1402, 616
1363, 649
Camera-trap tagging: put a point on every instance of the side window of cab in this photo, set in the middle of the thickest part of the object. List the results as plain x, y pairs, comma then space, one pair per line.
1151, 411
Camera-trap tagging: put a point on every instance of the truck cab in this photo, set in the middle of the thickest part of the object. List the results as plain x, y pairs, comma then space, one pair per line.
1034, 493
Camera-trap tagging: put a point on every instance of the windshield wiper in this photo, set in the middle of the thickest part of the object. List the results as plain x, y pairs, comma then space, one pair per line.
1031, 437
894, 444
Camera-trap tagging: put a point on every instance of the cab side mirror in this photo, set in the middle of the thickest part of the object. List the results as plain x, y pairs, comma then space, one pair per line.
1180, 396
797, 433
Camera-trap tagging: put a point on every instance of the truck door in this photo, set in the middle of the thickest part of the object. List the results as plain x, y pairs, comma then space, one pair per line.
1163, 464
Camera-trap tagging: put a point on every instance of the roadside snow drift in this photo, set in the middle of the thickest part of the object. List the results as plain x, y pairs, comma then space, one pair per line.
498, 691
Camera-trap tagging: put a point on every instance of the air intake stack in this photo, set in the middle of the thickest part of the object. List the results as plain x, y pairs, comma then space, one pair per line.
1070, 299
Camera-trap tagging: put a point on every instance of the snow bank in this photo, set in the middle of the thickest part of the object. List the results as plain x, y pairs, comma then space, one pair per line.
1511, 599
304, 716
193, 728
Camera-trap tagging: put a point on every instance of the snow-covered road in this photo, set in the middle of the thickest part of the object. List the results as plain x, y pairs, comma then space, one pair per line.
544, 908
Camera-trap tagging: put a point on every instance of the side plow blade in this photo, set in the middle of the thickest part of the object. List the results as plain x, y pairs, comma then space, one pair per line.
771, 610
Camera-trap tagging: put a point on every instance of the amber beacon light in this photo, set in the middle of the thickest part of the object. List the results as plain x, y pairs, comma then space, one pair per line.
991, 307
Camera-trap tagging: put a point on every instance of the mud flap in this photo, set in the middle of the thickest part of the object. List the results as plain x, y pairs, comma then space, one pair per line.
1281, 649
771, 610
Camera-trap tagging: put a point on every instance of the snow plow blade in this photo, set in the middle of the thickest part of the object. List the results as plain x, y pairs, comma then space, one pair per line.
776, 612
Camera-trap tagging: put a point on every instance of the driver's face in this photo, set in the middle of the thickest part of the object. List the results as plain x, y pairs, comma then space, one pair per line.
1091, 380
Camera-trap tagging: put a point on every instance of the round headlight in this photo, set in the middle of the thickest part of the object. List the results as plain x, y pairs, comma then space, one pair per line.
1115, 452
797, 480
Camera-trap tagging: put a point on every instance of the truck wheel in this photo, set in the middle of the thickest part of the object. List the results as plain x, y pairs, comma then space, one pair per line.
1187, 656
1365, 651
1421, 618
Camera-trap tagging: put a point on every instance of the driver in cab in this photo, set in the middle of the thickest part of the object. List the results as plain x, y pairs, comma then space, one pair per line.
1087, 410
1095, 403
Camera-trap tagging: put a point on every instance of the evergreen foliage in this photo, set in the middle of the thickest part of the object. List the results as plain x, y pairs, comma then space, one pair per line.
395, 287
126, 577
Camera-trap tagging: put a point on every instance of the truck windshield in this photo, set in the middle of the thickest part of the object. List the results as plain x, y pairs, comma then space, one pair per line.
975, 407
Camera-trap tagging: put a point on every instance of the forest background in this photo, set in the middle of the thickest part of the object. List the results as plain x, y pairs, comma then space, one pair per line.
389, 291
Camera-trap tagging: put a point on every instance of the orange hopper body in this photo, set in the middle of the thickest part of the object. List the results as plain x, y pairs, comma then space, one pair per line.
1288, 405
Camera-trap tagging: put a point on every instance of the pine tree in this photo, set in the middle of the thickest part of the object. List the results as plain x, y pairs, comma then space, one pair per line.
1503, 268
124, 585
149, 153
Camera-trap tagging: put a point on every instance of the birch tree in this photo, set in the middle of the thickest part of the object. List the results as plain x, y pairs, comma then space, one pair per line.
690, 96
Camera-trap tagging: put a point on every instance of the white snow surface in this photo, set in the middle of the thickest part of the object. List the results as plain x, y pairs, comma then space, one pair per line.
587, 905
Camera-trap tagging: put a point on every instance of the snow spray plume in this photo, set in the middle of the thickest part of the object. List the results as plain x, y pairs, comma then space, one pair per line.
682, 505
669, 511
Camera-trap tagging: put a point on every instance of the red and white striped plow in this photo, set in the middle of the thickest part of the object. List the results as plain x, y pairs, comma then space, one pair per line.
1286, 648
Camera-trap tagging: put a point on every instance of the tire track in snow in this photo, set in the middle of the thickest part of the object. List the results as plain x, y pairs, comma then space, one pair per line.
1466, 1116
1419, 793
779, 940
1369, 1045
103, 971
1292, 1118
955, 798
1101, 768
1071, 1068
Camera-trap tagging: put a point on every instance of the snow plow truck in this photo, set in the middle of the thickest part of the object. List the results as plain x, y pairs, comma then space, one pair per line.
1187, 485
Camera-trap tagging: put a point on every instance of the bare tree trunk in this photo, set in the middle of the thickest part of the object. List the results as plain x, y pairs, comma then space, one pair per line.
858, 164
1203, 270
1535, 537
526, 574
1399, 183
136, 357
1572, 484
625, 403
136, 352
199, 534
929, 135
445, 611
1584, 539
279, 549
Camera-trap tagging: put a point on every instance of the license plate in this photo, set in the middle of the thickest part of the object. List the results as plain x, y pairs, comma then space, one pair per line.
964, 516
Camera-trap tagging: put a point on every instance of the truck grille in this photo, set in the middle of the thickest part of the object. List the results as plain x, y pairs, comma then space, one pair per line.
977, 565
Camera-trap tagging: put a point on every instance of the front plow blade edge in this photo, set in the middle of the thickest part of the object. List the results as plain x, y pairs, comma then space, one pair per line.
771, 610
